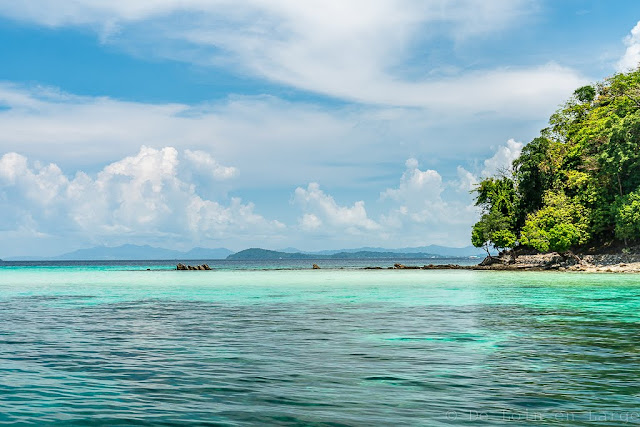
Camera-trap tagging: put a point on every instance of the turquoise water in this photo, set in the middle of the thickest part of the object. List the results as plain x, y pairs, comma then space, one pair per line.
114, 345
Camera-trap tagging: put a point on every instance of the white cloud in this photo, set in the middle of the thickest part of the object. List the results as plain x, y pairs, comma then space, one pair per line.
631, 58
416, 187
420, 199
207, 165
152, 196
420, 210
310, 222
343, 49
136, 197
321, 208
273, 142
502, 160
466, 180
256, 133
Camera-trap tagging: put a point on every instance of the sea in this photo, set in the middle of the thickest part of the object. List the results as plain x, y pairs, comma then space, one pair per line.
277, 343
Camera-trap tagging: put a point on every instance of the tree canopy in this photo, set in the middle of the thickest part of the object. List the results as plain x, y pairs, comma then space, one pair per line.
578, 183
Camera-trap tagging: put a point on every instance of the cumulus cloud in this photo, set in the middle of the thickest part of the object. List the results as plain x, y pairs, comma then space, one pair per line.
342, 49
256, 134
503, 158
416, 187
137, 196
422, 208
631, 58
466, 180
418, 210
321, 209
207, 165
420, 199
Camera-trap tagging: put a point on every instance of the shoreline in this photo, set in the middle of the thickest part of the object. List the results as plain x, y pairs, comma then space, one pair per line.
611, 263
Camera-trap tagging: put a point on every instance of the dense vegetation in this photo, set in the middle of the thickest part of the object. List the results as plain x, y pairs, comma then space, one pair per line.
577, 185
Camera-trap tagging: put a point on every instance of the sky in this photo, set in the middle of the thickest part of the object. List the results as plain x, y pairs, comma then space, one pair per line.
315, 125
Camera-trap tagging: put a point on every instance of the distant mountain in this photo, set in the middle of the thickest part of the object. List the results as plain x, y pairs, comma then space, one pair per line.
442, 251
265, 254
146, 252
133, 252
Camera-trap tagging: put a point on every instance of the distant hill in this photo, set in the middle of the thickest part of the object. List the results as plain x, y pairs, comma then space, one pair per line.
441, 251
146, 252
265, 254
133, 252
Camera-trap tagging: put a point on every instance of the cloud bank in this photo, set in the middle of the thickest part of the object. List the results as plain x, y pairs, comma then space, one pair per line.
140, 196
349, 50
157, 194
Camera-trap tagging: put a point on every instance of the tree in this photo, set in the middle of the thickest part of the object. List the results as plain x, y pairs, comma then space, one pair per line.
578, 182
493, 229
585, 94
496, 197
620, 155
559, 225
628, 216
530, 178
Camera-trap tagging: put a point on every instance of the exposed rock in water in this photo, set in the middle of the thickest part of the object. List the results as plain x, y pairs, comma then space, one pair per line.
406, 267
316, 267
181, 266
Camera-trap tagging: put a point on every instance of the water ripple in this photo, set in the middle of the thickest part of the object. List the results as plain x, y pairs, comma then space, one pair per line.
74, 359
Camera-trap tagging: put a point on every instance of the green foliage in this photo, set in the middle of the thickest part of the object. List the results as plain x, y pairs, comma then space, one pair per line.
497, 195
560, 224
497, 198
578, 182
531, 179
627, 217
503, 239
493, 229
585, 94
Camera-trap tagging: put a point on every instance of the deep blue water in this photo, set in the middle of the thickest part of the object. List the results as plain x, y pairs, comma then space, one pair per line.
99, 344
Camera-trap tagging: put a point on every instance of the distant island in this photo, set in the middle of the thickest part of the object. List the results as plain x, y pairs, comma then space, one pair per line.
264, 254
146, 252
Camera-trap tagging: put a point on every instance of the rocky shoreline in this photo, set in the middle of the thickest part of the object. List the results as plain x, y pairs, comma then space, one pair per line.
602, 263
609, 263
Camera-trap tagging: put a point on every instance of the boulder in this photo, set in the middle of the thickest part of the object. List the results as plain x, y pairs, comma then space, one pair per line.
316, 267
181, 266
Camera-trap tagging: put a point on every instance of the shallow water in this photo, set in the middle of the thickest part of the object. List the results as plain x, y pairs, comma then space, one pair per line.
93, 345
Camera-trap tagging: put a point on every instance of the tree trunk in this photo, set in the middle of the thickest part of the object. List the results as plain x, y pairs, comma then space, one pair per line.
619, 184
514, 255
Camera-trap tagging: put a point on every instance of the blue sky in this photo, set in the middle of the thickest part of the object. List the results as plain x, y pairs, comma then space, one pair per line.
309, 124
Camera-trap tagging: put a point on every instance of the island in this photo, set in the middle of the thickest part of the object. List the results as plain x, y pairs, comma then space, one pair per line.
572, 197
